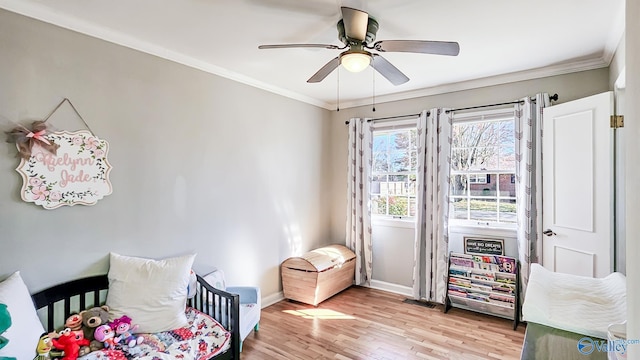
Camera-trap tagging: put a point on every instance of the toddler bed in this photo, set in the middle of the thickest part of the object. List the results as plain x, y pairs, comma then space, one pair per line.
212, 314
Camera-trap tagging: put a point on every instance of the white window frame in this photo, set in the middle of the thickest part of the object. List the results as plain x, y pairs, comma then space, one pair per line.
482, 116
379, 219
478, 178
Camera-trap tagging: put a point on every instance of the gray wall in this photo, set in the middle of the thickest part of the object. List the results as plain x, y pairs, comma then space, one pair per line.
509, 237
621, 197
249, 194
632, 174
569, 87
393, 251
200, 163
617, 73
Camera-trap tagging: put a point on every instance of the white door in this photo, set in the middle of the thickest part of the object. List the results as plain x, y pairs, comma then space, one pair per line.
620, 198
577, 186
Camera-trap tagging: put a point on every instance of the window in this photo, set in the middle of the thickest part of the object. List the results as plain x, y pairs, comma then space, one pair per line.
393, 186
483, 169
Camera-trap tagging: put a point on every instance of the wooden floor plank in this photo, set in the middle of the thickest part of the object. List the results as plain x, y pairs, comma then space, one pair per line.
363, 323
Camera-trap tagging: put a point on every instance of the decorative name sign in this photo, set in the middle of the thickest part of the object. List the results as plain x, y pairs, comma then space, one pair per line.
77, 174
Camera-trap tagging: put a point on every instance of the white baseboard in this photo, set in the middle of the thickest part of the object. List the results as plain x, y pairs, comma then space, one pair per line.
375, 284
272, 299
394, 288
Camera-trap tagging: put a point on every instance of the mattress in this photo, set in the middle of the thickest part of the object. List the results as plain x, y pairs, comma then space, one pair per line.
574, 303
203, 338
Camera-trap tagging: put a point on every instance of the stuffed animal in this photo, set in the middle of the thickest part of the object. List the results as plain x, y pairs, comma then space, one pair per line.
123, 329
70, 342
73, 322
5, 324
91, 319
104, 333
43, 350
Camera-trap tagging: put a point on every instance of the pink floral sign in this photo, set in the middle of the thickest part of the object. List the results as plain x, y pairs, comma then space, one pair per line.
77, 174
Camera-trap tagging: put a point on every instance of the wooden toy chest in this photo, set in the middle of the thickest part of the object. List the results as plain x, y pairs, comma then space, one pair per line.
318, 274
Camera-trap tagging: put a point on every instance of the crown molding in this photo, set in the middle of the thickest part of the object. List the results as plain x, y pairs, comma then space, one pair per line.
42, 13
48, 15
560, 69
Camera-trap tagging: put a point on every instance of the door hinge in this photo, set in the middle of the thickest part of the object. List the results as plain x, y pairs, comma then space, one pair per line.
617, 121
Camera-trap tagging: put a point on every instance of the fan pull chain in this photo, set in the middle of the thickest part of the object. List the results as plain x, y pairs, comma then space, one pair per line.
338, 91
374, 83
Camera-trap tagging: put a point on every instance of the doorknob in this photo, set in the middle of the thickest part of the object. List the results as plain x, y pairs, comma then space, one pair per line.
549, 232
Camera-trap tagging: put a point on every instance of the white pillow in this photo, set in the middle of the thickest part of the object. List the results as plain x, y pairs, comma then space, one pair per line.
26, 327
153, 293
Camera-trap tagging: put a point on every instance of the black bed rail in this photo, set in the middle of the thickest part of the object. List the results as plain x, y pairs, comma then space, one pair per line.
81, 288
224, 307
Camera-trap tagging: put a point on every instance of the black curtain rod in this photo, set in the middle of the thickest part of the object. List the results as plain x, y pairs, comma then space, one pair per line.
390, 117
553, 97
483, 106
395, 117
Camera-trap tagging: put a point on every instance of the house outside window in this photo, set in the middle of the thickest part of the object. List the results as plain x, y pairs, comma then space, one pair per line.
393, 185
478, 178
483, 190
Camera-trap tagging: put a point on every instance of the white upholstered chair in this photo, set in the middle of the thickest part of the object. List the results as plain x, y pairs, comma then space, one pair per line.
250, 303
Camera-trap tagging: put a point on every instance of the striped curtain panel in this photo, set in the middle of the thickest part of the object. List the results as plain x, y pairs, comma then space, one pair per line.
358, 232
528, 128
432, 209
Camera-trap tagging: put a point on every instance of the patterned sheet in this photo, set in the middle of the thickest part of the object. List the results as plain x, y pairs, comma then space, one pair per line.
202, 339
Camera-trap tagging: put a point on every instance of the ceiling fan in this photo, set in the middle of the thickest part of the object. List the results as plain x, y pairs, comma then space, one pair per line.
357, 31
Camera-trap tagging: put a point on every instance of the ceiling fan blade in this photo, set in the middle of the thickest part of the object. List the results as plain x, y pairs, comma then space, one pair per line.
418, 46
325, 70
286, 46
355, 23
386, 69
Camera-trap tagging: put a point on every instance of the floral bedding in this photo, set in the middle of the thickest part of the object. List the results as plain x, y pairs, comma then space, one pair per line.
202, 339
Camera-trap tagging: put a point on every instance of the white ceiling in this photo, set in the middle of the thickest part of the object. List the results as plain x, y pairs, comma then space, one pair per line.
500, 40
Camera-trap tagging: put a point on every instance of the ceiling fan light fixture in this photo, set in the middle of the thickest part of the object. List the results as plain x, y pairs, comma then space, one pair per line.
355, 61
357, 31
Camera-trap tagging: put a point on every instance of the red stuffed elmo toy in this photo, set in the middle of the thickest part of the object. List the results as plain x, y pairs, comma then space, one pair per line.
70, 342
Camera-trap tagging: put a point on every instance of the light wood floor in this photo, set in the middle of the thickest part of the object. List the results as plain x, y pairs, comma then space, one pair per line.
363, 323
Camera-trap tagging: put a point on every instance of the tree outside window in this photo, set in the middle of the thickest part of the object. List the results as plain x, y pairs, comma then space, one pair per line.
482, 168
393, 186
